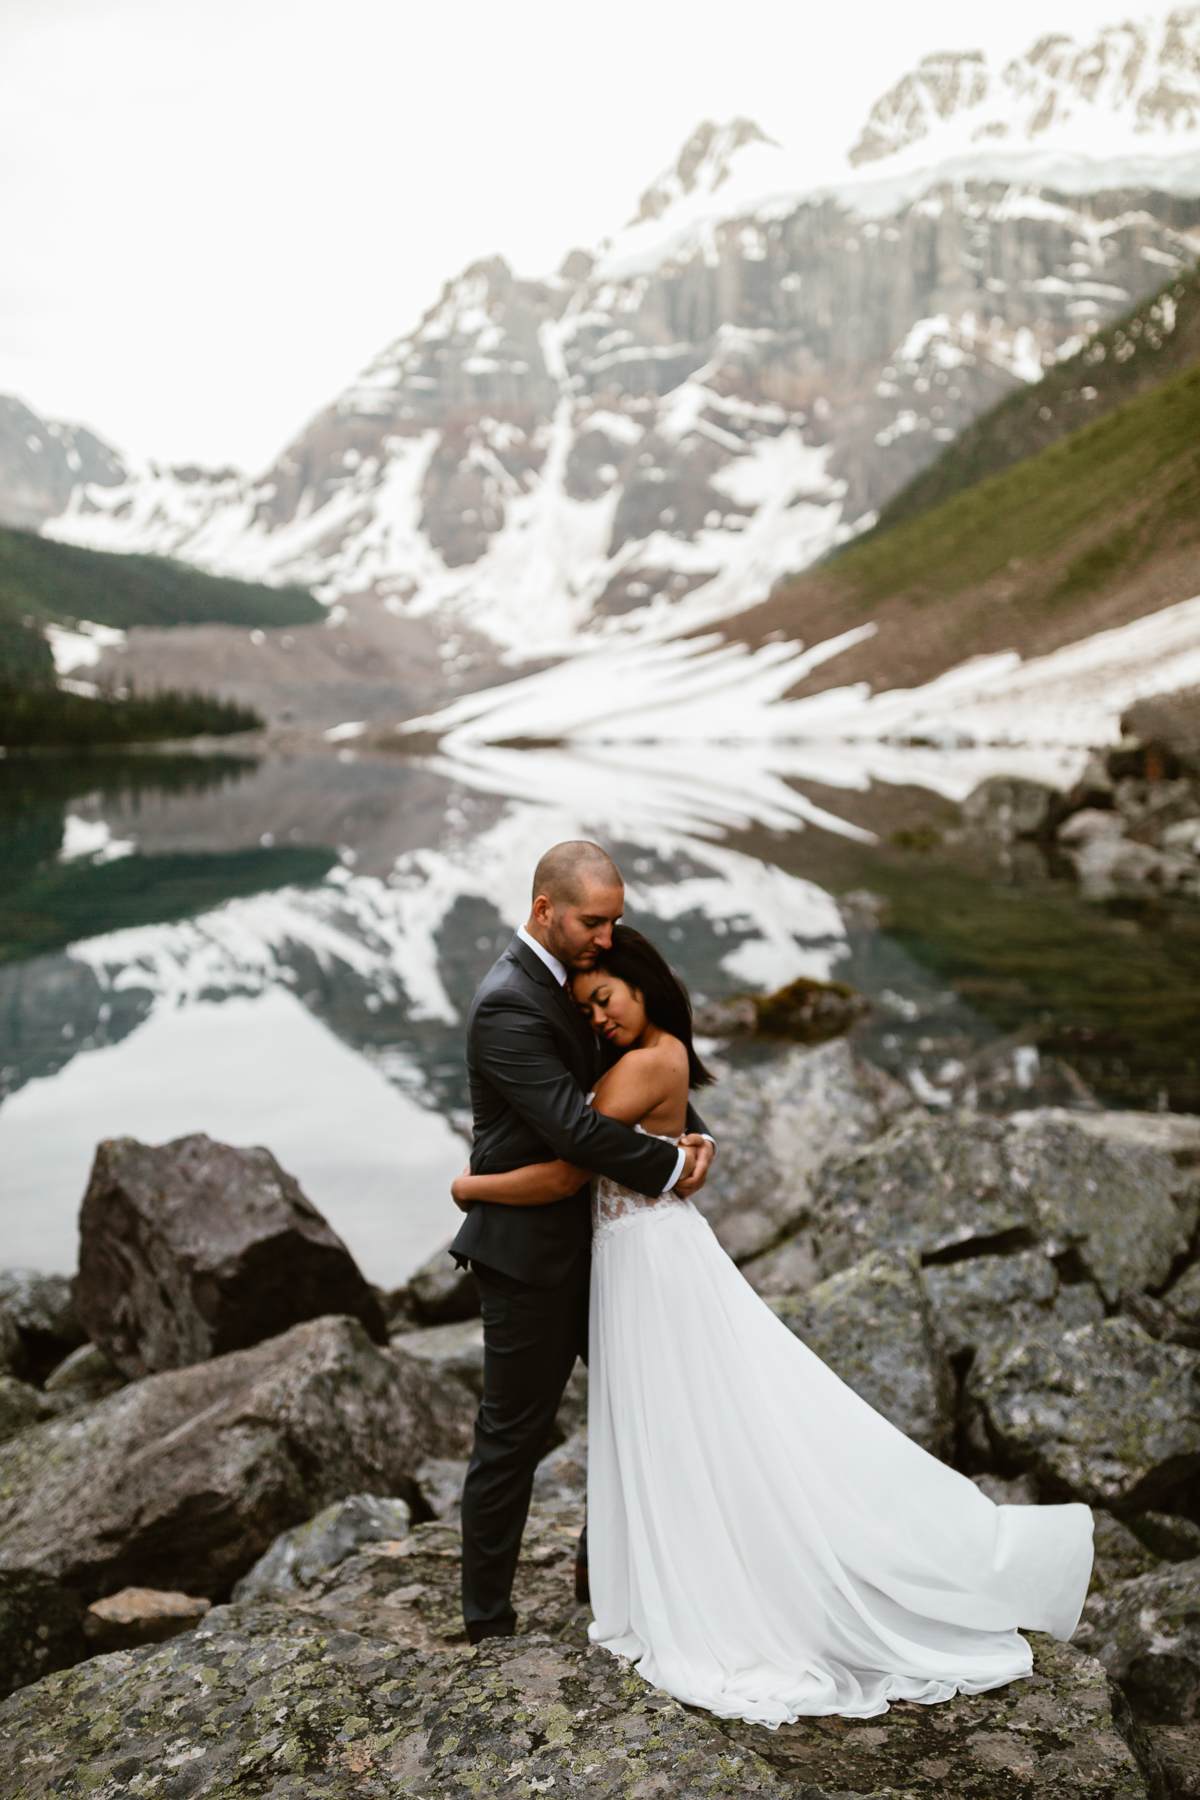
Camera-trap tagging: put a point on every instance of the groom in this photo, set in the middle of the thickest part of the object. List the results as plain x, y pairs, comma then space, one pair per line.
531, 1060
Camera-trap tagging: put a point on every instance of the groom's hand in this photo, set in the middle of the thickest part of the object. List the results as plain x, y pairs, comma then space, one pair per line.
695, 1169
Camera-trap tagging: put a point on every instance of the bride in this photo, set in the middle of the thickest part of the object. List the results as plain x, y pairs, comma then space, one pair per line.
762, 1542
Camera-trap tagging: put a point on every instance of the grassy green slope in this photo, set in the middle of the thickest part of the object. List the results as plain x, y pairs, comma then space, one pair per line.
1097, 529
1156, 339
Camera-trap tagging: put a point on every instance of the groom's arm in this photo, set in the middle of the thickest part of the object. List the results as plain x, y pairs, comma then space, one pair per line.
514, 1049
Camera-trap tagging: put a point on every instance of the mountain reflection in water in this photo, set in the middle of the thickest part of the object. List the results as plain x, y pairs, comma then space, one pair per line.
315, 1003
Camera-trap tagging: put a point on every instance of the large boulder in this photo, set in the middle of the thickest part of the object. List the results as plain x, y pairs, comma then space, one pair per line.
193, 1248
1105, 1195
1103, 1413
928, 1185
775, 1124
181, 1480
364, 1685
873, 1326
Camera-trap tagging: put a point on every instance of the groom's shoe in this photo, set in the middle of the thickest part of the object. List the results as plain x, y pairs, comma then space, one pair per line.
478, 1629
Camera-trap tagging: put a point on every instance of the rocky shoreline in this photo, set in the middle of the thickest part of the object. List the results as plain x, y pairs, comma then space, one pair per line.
228, 1502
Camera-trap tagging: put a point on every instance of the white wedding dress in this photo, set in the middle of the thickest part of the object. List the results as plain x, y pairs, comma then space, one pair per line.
761, 1541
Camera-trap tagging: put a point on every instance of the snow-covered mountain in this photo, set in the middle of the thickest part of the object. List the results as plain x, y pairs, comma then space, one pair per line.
649, 438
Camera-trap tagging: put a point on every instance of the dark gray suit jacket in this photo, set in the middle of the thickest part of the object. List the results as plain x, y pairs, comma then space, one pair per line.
531, 1060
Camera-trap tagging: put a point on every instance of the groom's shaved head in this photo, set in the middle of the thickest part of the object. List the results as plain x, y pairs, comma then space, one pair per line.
567, 869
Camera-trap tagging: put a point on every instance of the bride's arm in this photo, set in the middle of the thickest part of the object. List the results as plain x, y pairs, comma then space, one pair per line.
534, 1184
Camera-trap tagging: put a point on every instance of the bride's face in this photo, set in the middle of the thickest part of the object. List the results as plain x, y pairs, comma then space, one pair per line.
613, 1009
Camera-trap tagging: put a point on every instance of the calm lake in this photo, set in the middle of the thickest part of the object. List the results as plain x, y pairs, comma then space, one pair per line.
281, 951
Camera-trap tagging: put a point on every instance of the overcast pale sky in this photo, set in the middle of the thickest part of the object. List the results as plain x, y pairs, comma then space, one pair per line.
217, 210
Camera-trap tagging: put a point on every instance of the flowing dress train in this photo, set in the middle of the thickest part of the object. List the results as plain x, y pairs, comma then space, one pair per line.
762, 1542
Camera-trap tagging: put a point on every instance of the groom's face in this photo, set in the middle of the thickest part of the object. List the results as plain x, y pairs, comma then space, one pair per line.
577, 931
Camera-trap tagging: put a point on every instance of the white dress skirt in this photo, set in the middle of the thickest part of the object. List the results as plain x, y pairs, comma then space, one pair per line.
761, 1541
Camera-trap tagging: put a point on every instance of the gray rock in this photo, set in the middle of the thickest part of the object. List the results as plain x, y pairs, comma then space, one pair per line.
1169, 722
1105, 1412
20, 1405
439, 1482
181, 1480
12, 1350
41, 1628
194, 1248
926, 1185
1008, 807
561, 1477
1091, 822
299, 1556
453, 1349
1095, 1189
440, 1292
808, 1010
86, 1374
775, 1124
1168, 1535
1183, 836
1182, 1303
43, 1312
1146, 1632
873, 1326
984, 1301
1119, 1555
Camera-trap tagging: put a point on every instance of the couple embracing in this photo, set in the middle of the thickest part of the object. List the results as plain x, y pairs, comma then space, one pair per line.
759, 1541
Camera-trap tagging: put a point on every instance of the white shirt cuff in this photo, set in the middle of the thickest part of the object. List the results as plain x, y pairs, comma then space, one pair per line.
682, 1158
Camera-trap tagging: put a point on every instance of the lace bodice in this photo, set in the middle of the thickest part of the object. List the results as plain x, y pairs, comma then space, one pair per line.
615, 1206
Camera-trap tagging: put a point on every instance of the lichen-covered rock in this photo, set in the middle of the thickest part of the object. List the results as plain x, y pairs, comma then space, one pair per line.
873, 1326
807, 1009
456, 1349
266, 1699
41, 1627
299, 1556
183, 1479
139, 1615
1008, 807
1104, 1412
775, 1124
1182, 1305
191, 1249
364, 1685
1146, 1632
42, 1310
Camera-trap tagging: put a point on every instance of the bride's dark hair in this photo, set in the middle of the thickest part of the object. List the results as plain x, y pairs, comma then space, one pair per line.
634, 960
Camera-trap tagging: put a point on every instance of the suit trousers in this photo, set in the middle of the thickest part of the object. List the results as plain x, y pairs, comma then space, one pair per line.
531, 1338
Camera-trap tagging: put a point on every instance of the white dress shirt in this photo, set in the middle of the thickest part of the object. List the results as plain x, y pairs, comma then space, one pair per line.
560, 975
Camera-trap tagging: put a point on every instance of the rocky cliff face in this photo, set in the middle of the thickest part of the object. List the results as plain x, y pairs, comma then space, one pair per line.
658, 431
